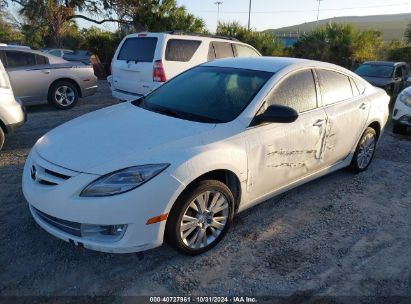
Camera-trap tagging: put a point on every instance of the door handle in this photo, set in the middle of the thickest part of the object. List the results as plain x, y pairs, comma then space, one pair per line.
46, 71
363, 106
319, 123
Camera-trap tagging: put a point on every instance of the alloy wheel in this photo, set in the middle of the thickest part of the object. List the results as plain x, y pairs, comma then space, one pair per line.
65, 96
204, 219
366, 150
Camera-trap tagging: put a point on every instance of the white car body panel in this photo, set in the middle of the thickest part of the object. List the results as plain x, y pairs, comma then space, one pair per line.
298, 152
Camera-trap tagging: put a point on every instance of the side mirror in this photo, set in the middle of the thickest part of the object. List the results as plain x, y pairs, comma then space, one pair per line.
275, 113
409, 80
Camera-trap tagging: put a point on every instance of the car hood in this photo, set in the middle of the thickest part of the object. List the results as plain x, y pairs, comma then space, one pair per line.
112, 134
378, 81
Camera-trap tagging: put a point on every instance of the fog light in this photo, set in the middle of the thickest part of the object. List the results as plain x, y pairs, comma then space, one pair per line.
109, 233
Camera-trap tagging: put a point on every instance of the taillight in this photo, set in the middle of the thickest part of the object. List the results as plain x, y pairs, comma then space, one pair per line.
158, 72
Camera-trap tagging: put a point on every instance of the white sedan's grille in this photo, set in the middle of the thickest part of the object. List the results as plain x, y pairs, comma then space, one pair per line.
48, 174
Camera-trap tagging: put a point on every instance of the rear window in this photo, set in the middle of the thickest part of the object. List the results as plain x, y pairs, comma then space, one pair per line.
181, 50
41, 60
138, 49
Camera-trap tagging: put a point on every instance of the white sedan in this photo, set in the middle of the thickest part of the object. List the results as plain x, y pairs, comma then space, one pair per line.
401, 115
179, 163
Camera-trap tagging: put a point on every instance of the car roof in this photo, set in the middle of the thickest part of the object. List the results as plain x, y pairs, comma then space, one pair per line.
184, 34
52, 59
269, 64
389, 63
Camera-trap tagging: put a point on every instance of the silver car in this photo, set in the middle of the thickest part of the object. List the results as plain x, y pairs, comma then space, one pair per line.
37, 77
12, 114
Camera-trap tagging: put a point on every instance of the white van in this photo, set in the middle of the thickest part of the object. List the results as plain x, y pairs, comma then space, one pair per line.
144, 61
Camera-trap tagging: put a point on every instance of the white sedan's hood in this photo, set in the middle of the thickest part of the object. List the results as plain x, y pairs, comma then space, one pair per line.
111, 134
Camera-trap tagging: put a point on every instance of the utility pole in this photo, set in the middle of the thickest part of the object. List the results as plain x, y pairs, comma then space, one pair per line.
218, 3
318, 10
249, 15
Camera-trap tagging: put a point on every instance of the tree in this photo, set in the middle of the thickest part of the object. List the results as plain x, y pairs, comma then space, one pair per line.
332, 43
9, 31
264, 42
341, 44
156, 15
51, 20
408, 34
368, 45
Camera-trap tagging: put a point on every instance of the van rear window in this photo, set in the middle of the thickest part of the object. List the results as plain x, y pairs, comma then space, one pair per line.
138, 49
181, 49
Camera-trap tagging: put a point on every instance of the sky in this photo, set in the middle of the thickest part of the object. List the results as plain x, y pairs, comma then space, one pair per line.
272, 14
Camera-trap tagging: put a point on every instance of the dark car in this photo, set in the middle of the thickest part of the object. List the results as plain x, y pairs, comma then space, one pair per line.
88, 58
390, 76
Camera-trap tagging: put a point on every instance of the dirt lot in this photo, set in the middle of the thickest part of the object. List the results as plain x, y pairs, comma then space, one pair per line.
343, 234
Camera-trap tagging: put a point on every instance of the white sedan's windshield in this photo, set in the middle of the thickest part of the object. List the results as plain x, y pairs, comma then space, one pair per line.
207, 94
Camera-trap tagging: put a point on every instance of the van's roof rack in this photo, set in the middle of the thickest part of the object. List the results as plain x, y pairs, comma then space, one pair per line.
201, 35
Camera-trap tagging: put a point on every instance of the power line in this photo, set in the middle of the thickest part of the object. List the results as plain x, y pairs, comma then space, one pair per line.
300, 11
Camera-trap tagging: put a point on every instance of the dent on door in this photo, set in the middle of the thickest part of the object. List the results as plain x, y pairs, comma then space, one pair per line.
282, 154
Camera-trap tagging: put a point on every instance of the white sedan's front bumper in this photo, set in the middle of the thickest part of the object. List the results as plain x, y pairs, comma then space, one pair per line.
134, 208
401, 113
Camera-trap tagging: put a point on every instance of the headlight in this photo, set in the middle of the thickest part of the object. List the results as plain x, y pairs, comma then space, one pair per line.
122, 181
405, 98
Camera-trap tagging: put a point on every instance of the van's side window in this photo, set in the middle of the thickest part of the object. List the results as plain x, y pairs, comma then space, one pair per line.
245, 51
223, 50
181, 49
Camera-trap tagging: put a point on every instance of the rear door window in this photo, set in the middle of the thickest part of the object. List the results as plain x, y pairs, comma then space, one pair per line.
139, 49
245, 51
296, 91
41, 60
181, 49
20, 59
335, 86
223, 50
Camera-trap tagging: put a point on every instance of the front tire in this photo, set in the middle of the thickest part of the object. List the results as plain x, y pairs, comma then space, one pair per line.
63, 94
200, 217
365, 151
2, 138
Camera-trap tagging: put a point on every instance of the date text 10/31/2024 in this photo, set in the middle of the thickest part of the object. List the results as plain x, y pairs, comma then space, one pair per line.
200, 299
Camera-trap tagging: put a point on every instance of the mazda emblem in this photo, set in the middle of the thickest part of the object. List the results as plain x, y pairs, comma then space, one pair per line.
33, 172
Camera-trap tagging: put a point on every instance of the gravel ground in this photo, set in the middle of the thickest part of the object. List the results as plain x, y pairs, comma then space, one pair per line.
343, 234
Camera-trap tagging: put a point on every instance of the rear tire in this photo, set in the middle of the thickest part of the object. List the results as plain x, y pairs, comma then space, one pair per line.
365, 151
200, 218
399, 129
63, 94
2, 138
